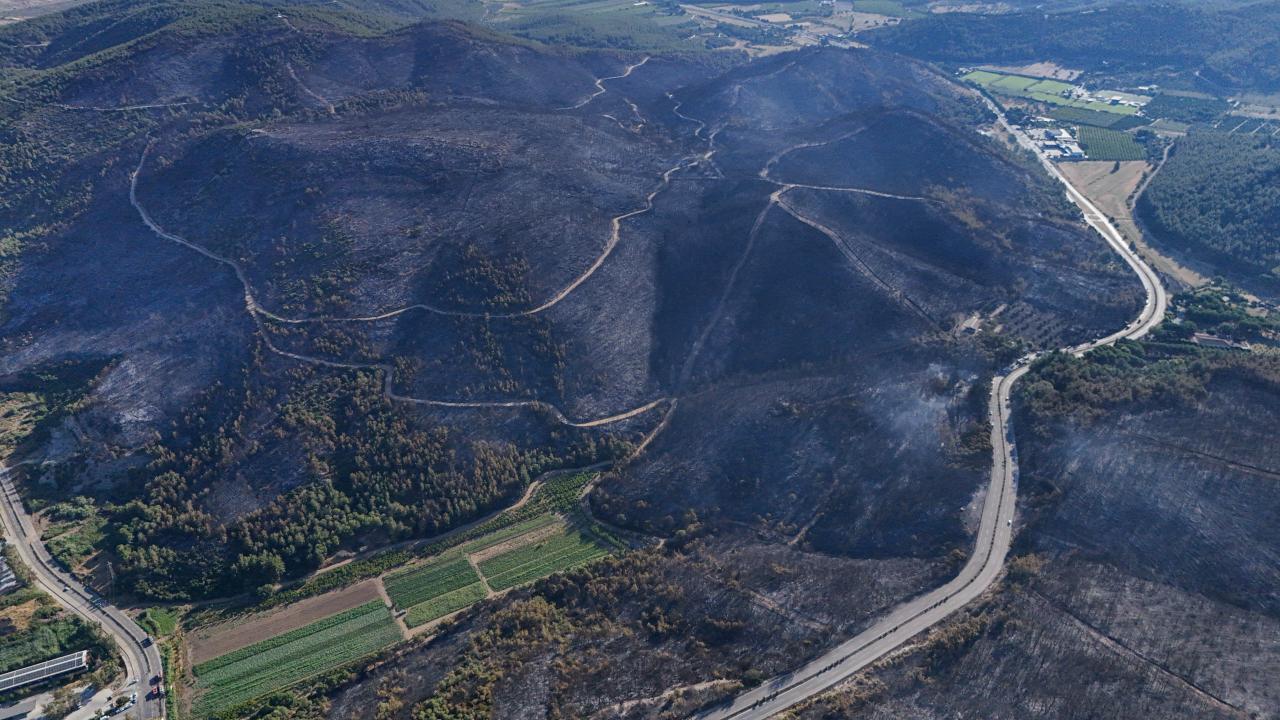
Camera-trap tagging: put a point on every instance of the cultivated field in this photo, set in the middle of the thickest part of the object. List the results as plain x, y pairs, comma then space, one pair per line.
213, 641
1049, 70
1080, 116
1235, 124
1040, 90
618, 23
538, 560
1103, 144
234, 665
283, 660
441, 605
430, 581
512, 556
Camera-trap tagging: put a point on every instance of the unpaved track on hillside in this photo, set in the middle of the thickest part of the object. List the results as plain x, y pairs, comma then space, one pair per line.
259, 313
320, 99
611, 242
600, 89
686, 371
94, 108
995, 529
776, 200
900, 296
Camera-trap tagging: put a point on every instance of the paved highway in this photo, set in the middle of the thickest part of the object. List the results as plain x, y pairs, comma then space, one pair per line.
995, 529
141, 664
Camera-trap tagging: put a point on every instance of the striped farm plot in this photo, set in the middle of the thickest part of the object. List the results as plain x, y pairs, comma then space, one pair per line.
562, 551
430, 581
230, 680
450, 583
1051, 92
446, 604
512, 556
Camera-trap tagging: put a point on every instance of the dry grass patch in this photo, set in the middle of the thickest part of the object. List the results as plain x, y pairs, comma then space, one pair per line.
19, 616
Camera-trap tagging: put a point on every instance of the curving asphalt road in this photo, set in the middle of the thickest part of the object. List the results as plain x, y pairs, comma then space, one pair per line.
995, 530
141, 664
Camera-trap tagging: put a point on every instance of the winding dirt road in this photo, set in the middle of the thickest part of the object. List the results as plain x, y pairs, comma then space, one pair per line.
995, 529
600, 89
259, 314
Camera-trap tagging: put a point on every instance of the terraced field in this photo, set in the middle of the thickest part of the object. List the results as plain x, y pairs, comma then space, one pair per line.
238, 677
510, 532
1080, 116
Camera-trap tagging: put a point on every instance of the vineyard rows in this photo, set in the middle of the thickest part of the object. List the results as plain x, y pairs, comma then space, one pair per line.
449, 585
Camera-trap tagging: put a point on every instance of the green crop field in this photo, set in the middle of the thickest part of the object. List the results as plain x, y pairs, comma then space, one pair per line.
431, 591
1044, 91
1170, 125
538, 560
894, 8
1102, 144
1114, 121
1085, 117
441, 605
160, 621
449, 583
598, 23
514, 531
1106, 107
982, 77
238, 677
1016, 83
559, 493
1052, 87
429, 581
